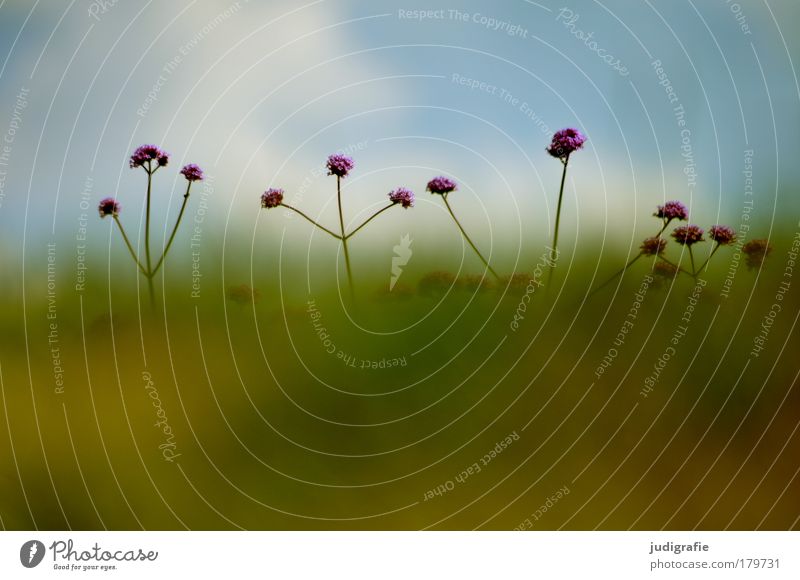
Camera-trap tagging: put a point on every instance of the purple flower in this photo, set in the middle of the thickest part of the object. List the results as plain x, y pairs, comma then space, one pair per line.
192, 172
109, 206
147, 153
723, 235
672, 210
271, 198
688, 235
653, 246
566, 142
340, 165
441, 185
402, 196
756, 251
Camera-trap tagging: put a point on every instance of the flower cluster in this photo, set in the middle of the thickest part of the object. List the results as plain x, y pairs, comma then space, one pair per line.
340, 165
685, 235
403, 196
756, 251
109, 206
723, 235
672, 210
192, 172
441, 185
688, 235
273, 197
565, 142
653, 246
146, 154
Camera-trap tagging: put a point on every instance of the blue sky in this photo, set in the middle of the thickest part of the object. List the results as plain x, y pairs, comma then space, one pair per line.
258, 93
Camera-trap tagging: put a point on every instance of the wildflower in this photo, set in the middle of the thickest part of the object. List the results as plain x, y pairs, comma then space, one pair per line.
653, 246
150, 158
723, 235
403, 196
147, 153
756, 251
192, 172
688, 235
565, 142
273, 197
441, 185
109, 206
672, 210
340, 165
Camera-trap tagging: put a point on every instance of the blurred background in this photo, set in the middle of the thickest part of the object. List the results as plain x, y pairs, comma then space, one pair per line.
256, 394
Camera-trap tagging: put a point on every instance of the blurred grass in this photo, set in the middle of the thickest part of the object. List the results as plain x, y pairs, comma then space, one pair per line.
275, 432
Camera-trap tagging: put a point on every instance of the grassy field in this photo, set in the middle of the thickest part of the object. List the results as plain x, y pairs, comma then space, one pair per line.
448, 402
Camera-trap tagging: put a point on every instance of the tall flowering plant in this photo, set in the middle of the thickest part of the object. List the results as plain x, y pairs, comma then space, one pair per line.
563, 144
684, 235
150, 158
340, 166
443, 187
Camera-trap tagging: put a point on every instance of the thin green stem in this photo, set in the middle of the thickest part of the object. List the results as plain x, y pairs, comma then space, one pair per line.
466, 237
554, 246
677, 268
691, 257
612, 278
343, 237
128, 244
376, 214
174, 229
147, 236
711, 255
323, 228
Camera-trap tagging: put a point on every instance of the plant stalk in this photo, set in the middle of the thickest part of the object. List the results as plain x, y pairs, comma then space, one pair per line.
372, 217
466, 237
343, 237
174, 229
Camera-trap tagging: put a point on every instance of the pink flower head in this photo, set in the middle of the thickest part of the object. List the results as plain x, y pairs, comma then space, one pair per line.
402, 196
109, 206
653, 246
441, 185
566, 142
688, 235
192, 172
672, 210
756, 251
723, 235
271, 198
340, 165
148, 153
